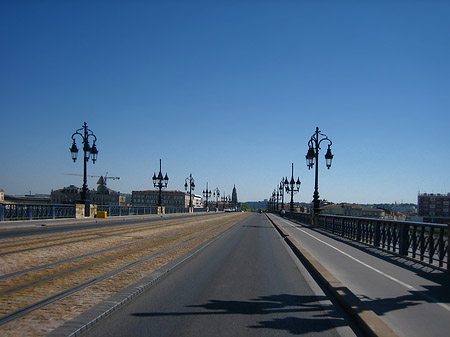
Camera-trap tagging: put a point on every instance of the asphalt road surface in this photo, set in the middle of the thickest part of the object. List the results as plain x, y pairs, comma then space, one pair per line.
247, 283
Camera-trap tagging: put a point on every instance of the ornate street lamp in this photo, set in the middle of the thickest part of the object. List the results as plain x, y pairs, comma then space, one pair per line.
292, 187
312, 157
206, 194
225, 200
189, 182
89, 152
275, 196
271, 202
160, 182
281, 189
216, 194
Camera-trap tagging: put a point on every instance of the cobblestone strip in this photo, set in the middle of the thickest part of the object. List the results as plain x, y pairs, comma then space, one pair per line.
24, 260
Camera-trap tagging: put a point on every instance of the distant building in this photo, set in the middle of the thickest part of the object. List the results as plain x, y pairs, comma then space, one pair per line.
106, 196
333, 210
2, 196
66, 195
102, 196
27, 199
353, 210
434, 207
175, 199
197, 201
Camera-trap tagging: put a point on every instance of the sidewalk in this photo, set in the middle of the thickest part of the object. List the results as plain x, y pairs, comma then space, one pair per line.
388, 294
366, 319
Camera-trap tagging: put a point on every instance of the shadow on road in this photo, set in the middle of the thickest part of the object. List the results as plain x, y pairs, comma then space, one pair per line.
381, 306
292, 313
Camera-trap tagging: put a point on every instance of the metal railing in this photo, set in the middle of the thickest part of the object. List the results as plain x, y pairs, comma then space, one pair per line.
17, 212
127, 210
426, 242
11, 212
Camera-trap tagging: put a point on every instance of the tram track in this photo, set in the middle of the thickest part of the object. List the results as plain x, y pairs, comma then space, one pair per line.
25, 291
140, 240
63, 238
121, 236
96, 258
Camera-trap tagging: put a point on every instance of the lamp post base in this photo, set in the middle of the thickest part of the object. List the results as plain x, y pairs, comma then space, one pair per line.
85, 211
315, 217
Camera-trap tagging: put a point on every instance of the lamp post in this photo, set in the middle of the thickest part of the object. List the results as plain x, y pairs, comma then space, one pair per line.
312, 157
225, 200
206, 194
89, 152
292, 187
281, 189
160, 182
216, 194
189, 182
275, 199
278, 197
271, 203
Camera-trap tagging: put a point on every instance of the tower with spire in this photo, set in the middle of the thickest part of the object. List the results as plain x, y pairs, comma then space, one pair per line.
234, 198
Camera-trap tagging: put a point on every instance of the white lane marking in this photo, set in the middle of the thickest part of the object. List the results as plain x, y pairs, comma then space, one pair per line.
410, 287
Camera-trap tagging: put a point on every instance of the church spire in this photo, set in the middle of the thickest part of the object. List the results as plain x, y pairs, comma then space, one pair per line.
234, 199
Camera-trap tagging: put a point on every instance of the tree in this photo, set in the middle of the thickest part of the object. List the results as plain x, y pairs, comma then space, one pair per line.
245, 208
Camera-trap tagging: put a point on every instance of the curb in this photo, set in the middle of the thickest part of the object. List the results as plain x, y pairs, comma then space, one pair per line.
366, 319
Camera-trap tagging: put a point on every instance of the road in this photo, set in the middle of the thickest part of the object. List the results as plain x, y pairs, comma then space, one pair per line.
246, 283
413, 299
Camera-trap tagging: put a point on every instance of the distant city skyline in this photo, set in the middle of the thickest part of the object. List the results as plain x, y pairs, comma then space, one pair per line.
230, 92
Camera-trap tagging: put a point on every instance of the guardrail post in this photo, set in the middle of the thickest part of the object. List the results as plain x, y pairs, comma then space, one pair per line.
2, 213
358, 229
30, 212
448, 248
404, 240
376, 234
53, 212
431, 249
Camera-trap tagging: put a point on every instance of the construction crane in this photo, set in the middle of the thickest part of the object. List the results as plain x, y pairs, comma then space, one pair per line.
101, 181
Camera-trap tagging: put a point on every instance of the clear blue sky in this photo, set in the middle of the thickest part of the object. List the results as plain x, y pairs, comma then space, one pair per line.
230, 91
